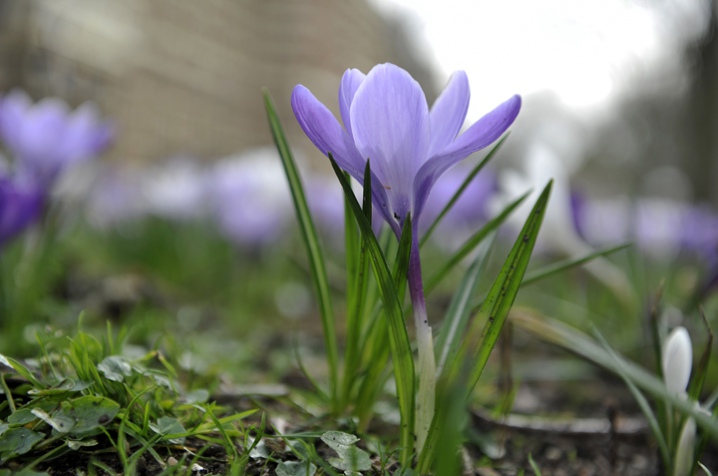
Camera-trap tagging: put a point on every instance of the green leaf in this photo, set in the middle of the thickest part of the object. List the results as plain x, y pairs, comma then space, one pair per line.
77, 444
338, 438
641, 400
67, 385
350, 458
169, 428
486, 326
402, 357
472, 243
21, 417
462, 188
357, 287
701, 371
454, 325
115, 368
22, 370
89, 413
311, 241
29, 472
295, 468
60, 423
18, 441
562, 335
555, 268
534, 466
200, 395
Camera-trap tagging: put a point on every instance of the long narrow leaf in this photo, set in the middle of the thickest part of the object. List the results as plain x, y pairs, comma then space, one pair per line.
641, 400
311, 241
452, 329
462, 188
357, 287
558, 333
555, 268
467, 366
402, 357
486, 326
472, 243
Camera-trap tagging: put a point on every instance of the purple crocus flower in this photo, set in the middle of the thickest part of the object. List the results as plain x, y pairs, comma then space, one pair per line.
20, 205
387, 119
47, 137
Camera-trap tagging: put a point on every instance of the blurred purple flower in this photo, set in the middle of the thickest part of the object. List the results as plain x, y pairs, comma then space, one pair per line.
578, 210
386, 119
47, 137
115, 197
20, 205
469, 210
249, 199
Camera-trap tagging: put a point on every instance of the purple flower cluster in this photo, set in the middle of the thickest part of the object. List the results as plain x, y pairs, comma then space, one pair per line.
229, 193
44, 139
660, 228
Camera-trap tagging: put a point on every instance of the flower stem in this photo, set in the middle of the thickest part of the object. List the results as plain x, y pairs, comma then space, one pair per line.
427, 365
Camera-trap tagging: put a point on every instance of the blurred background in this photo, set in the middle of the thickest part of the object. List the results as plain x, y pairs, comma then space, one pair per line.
620, 106
623, 92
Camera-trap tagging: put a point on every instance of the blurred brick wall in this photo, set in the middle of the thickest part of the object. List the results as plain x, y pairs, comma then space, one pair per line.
185, 76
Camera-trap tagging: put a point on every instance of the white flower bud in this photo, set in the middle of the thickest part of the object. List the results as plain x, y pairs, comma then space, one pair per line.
677, 361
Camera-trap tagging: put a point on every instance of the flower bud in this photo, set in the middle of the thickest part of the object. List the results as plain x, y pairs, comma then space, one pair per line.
677, 361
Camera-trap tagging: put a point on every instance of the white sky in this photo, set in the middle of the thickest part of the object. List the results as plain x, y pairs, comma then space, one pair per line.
583, 50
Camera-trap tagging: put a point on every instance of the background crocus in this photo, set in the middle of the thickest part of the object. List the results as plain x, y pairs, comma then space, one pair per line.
21, 205
677, 361
235, 187
677, 365
387, 120
47, 137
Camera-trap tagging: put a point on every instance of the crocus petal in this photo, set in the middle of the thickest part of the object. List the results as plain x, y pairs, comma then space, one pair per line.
20, 206
85, 136
677, 361
390, 123
43, 131
448, 112
485, 131
351, 81
13, 109
325, 132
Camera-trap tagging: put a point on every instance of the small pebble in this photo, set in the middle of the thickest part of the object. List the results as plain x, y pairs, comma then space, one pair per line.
172, 461
553, 453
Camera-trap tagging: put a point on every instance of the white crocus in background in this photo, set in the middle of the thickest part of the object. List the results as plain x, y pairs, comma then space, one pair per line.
677, 361
677, 364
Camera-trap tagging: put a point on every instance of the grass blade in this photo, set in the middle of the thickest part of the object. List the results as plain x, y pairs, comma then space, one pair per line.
357, 263
402, 357
465, 369
642, 402
555, 268
472, 243
462, 188
486, 326
448, 338
311, 241
562, 335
